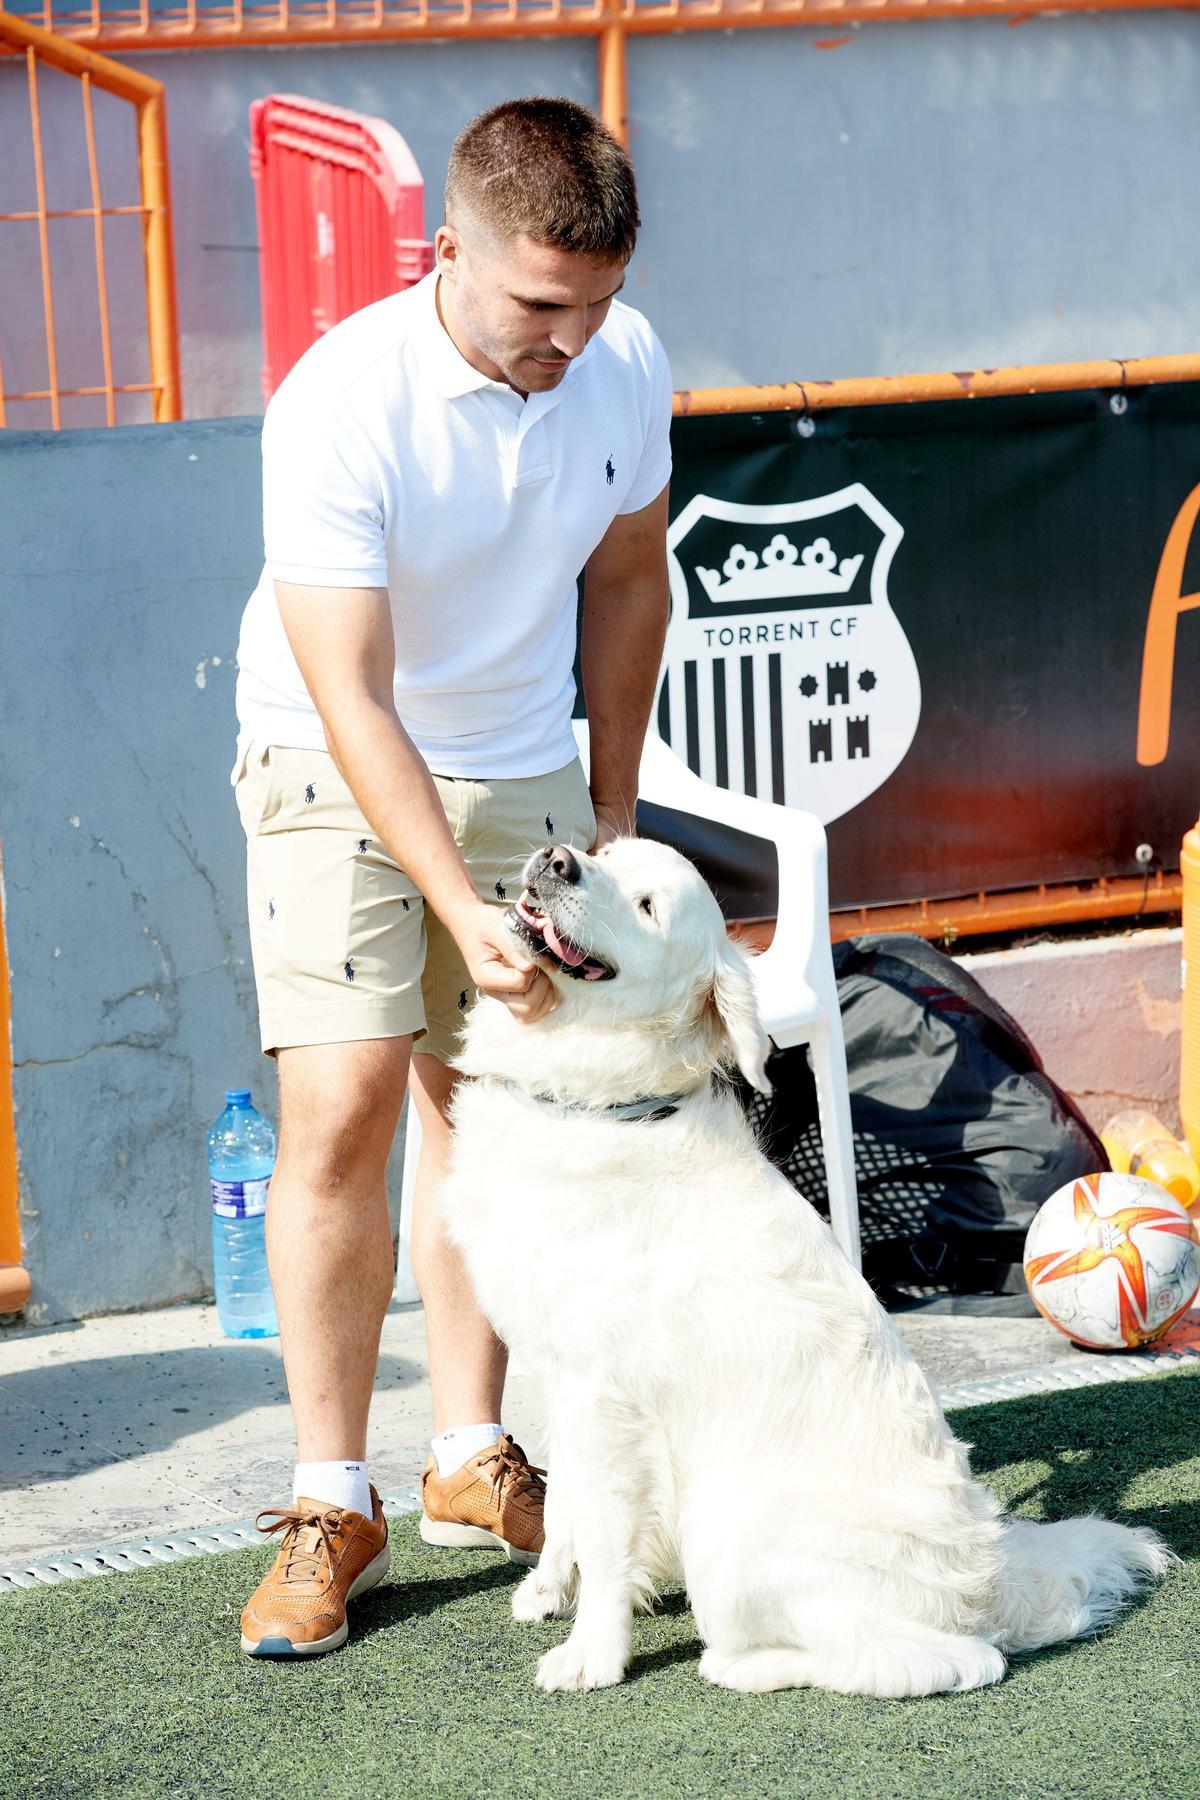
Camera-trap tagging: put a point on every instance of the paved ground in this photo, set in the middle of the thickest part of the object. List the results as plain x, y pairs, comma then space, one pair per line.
151, 1422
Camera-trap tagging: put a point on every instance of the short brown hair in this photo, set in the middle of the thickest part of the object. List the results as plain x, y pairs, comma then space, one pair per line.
551, 169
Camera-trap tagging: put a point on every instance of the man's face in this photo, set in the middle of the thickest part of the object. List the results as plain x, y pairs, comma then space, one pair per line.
520, 311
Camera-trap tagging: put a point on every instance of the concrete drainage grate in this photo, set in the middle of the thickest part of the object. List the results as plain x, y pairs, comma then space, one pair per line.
146, 1553
1058, 1377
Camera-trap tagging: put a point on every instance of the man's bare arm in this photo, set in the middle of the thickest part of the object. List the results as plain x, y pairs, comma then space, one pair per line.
343, 642
624, 623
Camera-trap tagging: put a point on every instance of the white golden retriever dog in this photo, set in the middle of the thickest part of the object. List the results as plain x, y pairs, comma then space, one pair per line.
728, 1403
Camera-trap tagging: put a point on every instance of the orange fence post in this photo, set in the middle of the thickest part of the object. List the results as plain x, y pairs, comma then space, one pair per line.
154, 172
110, 398
14, 1282
614, 83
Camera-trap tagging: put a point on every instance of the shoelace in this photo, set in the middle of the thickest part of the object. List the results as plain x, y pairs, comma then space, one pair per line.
512, 1466
305, 1557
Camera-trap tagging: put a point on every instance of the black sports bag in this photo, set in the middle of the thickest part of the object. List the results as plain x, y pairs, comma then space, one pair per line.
959, 1133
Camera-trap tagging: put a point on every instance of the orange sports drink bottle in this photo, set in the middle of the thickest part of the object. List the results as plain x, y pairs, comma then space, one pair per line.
1189, 1073
1138, 1144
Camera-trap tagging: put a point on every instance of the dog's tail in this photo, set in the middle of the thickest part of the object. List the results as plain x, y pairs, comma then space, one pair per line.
1068, 1579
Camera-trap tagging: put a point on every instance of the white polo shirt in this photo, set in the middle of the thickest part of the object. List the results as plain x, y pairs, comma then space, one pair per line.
388, 461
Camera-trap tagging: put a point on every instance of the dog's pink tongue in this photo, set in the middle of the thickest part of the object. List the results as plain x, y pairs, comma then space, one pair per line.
569, 954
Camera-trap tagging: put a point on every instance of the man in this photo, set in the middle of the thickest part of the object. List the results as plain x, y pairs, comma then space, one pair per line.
436, 471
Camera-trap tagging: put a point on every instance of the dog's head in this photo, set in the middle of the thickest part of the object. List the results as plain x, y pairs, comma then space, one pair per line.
652, 993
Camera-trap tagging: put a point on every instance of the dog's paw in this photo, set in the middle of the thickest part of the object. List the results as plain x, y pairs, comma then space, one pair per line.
575, 1668
714, 1667
758, 1671
536, 1599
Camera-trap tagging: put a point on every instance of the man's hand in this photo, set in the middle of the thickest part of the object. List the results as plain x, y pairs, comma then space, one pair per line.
500, 968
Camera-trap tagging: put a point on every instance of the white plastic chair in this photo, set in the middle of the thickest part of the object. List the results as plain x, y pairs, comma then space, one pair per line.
793, 978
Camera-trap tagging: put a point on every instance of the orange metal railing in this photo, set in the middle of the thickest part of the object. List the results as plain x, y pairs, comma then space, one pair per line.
117, 24
217, 24
1041, 908
40, 47
962, 384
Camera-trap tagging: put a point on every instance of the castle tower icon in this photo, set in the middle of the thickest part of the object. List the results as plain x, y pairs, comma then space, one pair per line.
858, 737
780, 614
820, 740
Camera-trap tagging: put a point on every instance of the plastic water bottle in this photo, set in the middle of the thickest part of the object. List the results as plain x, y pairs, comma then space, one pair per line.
1138, 1144
241, 1158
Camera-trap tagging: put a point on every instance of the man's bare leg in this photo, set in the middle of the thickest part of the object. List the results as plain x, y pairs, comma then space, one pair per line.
329, 1242
467, 1361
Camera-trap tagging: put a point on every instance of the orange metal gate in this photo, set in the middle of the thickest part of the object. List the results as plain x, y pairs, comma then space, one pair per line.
40, 49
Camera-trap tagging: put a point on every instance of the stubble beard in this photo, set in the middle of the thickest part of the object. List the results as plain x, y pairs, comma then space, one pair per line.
517, 366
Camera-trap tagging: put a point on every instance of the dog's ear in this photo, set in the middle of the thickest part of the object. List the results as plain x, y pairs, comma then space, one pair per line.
736, 1008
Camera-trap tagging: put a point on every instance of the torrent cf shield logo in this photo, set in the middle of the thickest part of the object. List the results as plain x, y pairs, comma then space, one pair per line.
786, 674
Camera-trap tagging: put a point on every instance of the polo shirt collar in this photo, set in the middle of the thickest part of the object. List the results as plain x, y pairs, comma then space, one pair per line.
451, 371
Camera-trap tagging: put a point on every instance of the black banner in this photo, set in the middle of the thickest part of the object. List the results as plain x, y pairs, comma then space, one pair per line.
926, 624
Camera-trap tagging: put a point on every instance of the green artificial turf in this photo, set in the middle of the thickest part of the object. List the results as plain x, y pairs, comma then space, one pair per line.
135, 1685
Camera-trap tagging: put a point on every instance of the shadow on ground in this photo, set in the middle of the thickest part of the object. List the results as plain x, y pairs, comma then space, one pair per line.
140, 1403
1094, 1450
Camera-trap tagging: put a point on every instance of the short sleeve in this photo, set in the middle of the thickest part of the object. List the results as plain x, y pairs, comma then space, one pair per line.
654, 468
323, 523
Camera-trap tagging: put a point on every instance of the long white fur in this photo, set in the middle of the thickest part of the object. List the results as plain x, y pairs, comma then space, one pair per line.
727, 1401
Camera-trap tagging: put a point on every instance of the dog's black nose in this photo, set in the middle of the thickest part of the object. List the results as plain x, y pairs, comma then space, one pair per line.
559, 860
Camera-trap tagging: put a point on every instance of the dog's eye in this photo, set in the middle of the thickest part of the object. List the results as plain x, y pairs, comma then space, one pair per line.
646, 904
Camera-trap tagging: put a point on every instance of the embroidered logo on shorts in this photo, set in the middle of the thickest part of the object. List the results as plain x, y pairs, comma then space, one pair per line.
610, 473
349, 970
362, 846
270, 910
310, 794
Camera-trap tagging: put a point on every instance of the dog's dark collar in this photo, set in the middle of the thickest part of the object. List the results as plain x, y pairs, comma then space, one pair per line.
647, 1108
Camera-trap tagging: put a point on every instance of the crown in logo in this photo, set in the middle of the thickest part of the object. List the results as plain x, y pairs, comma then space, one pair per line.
783, 572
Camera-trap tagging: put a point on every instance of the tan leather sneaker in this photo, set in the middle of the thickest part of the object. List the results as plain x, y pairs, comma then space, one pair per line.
495, 1500
328, 1555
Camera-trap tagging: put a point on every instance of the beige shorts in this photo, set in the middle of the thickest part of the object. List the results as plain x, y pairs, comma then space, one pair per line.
344, 946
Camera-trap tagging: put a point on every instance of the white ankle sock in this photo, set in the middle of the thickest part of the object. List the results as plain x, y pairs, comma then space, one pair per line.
336, 1483
454, 1447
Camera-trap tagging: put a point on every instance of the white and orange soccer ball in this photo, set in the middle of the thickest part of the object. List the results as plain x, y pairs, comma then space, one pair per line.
1112, 1261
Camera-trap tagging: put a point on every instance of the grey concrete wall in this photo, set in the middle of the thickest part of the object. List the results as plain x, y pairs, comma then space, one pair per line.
932, 195
128, 557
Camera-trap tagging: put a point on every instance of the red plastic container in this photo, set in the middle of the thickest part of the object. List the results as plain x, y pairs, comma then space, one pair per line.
341, 220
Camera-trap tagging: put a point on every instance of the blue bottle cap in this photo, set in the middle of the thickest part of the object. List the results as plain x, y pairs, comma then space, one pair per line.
237, 1096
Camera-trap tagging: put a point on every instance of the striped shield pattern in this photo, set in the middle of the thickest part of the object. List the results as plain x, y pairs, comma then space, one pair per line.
786, 674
